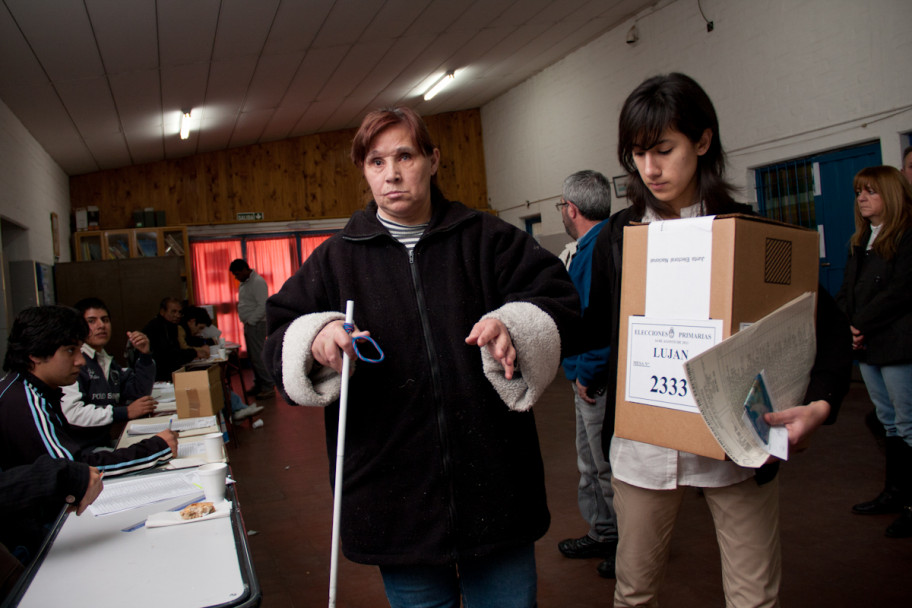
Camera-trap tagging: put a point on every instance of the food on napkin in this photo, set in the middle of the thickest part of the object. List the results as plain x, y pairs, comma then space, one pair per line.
197, 509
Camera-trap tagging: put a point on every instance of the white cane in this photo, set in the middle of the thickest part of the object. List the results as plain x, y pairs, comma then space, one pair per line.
340, 458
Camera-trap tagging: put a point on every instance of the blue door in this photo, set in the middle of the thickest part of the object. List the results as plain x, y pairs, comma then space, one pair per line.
816, 192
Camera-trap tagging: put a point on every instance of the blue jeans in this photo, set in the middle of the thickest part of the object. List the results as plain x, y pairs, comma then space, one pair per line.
594, 495
890, 388
505, 579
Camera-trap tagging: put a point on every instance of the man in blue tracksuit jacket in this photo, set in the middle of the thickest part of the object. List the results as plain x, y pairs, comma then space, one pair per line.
585, 207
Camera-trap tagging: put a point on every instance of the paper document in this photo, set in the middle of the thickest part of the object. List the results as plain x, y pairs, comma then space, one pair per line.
165, 407
782, 346
142, 490
191, 449
773, 439
656, 352
679, 268
181, 425
163, 391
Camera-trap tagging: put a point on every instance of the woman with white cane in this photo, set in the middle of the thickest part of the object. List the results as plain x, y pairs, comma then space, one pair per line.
443, 484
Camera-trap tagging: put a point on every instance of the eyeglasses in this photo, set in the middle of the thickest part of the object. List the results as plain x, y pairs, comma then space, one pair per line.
562, 203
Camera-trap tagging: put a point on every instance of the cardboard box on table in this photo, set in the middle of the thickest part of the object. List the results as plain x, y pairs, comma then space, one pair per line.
757, 266
198, 390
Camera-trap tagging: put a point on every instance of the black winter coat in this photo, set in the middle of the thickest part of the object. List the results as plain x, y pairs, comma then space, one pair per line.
436, 466
876, 295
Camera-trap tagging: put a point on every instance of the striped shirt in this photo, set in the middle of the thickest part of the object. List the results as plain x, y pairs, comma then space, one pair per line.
32, 424
407, 235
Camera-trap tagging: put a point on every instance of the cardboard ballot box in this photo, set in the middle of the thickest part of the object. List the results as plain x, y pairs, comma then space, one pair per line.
198, 390
757, 265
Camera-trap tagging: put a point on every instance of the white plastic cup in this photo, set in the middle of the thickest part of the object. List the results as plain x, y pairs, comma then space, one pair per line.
214, 447
212, 478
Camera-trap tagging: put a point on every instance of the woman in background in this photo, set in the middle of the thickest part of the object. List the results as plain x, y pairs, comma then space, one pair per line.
876, 295
668, 141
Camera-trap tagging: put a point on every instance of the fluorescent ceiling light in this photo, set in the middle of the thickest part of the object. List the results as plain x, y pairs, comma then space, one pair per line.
185, 124
440, 85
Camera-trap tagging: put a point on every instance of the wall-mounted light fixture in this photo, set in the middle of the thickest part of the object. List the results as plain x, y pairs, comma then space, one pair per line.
440, 84
185, 124
633, 34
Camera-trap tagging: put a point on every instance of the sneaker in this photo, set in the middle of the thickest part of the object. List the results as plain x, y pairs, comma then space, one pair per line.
248, 411
266, 393
587, 547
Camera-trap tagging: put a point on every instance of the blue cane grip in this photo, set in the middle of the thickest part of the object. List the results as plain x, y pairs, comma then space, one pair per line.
350, 328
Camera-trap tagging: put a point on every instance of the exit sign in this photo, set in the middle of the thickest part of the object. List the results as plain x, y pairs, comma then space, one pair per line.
248, 216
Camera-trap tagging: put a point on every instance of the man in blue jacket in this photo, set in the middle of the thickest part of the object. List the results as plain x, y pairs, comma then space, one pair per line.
585, 207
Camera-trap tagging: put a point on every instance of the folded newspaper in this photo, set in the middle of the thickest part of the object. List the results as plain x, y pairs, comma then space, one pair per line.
780, 350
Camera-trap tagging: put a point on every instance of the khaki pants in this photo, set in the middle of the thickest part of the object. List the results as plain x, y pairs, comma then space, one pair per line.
746, 518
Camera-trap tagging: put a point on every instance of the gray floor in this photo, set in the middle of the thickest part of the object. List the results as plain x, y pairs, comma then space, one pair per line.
831, 557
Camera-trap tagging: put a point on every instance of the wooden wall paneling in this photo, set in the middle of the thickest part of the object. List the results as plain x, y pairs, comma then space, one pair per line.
331, 181
462, 172
303, 178
131, 289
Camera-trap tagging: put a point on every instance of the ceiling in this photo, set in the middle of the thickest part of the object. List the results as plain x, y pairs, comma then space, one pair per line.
101, 83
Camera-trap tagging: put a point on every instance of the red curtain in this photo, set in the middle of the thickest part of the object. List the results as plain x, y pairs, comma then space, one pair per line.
309, 243
213, 283
275, 259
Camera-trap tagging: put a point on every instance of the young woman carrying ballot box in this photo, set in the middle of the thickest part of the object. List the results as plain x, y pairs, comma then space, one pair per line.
669, 143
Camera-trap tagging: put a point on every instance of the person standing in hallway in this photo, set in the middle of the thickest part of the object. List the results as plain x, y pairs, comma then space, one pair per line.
876, 295
444, 482
252, 294
669, 144
585, 207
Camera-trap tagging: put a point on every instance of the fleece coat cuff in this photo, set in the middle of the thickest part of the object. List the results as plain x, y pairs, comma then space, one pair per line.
306, 382
537, 343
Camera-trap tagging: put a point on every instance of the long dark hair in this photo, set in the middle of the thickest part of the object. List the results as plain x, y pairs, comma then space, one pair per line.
673, 101
896, 195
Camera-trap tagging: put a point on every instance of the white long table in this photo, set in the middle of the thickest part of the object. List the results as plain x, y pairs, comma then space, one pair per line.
90, 561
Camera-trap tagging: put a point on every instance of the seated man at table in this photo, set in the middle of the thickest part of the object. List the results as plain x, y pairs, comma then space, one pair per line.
166, 348
31, 496
189, 331
44, 353
195, 322
105, 392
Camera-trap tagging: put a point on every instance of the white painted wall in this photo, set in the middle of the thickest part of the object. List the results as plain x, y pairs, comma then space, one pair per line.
788, 78
32, 186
